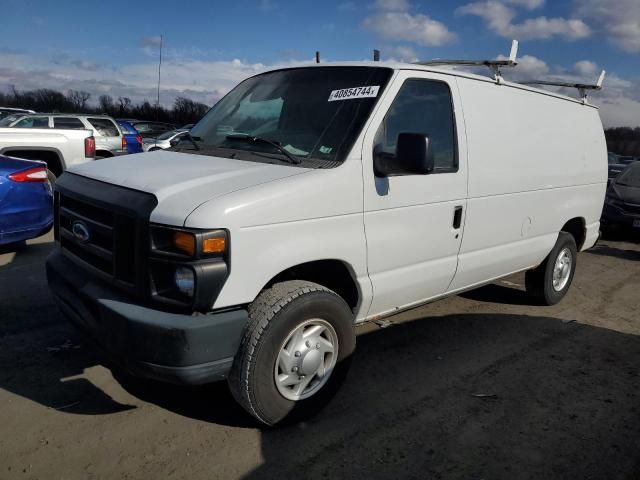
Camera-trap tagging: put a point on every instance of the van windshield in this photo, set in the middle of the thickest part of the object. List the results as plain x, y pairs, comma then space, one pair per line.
313, 113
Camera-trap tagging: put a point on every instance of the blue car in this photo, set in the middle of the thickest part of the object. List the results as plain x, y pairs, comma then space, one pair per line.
26, 200
131, 136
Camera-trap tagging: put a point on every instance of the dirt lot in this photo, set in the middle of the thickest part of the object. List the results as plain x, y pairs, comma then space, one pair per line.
563, 386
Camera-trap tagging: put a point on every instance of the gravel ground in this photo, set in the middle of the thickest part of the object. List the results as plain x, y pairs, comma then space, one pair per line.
477, 386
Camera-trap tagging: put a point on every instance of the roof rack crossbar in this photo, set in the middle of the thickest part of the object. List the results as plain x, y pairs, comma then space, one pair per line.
494, 65
583, 88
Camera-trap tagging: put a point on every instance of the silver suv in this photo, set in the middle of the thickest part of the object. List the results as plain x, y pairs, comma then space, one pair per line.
109, 138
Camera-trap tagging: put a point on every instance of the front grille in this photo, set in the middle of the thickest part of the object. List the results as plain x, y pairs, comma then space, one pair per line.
116, 223
109, 247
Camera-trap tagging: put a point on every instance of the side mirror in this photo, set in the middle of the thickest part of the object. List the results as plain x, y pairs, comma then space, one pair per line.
414, 156
175, 141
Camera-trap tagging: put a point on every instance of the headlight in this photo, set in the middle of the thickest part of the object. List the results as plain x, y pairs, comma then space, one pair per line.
192, 243
185, 280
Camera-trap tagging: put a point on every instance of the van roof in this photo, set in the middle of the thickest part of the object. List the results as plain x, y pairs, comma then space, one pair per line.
440, 70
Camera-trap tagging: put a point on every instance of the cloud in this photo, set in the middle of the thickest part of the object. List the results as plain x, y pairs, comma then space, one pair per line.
392, 5
528, 4
619, 20
151, 42
499, 19
400, 53
203, 81
207, 81
402, 26
585, 68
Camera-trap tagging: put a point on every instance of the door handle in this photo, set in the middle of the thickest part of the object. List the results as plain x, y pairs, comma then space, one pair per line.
457, 217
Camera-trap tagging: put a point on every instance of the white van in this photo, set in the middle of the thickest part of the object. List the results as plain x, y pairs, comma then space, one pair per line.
309, 199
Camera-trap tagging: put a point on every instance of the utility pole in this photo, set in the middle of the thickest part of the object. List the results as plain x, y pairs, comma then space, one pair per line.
159, 69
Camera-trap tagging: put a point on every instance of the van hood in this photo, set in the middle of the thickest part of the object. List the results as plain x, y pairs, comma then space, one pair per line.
182, 181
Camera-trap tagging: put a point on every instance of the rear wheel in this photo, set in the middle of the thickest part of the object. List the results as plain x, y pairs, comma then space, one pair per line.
548, 283
295, 352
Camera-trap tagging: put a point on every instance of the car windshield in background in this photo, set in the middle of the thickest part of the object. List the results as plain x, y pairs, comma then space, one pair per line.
127, 128
167, 135
630, 177
312, 113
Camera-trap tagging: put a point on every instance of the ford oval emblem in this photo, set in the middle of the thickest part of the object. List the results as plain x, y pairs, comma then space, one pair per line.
80, 231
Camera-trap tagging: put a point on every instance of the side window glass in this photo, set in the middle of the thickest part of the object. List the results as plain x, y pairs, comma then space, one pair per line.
425, 107
33, 122
67, 122
104, 127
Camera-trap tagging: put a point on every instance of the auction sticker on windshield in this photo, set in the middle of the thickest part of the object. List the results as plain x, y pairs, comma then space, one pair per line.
355, 92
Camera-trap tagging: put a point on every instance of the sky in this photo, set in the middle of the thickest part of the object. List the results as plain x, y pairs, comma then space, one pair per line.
209, 45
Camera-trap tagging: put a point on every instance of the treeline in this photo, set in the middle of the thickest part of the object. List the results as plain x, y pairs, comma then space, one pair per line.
623, 140
77, 101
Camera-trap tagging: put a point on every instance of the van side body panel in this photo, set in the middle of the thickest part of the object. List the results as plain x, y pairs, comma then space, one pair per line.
535, 162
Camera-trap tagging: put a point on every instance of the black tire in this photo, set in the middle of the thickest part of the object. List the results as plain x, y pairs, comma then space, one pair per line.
272, 316
539, 281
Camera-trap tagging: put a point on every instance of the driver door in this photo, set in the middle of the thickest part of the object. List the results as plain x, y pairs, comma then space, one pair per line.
414, 223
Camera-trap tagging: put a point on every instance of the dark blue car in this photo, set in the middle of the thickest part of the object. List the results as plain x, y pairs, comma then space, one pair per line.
26, 200
131, 136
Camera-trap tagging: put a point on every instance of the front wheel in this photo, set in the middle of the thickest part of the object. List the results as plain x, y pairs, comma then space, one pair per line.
295, 352
548, 283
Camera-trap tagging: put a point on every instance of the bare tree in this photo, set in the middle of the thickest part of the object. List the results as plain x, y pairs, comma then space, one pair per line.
124, 105
78, 99
106, 103
186, 110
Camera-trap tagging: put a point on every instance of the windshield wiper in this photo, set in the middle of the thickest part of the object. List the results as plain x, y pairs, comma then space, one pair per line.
245, 136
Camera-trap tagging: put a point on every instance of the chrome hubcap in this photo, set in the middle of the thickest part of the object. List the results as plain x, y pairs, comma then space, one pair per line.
562, 269
306, 359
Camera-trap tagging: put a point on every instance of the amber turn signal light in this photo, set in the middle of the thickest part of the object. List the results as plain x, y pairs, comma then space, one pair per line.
214, 245
185, 241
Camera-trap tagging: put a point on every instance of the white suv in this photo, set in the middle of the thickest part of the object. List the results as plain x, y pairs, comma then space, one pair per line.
309, 199
109, 138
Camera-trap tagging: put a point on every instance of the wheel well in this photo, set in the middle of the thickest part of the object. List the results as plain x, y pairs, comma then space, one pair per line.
576, 227
52, 159
332, 274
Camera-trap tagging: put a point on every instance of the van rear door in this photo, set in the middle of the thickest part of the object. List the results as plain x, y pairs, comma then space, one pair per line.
414, 223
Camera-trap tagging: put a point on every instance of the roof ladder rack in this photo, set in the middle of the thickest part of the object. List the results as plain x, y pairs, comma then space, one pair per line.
494, 65
583, 88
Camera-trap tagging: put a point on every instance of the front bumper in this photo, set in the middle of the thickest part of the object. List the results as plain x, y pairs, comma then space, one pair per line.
165, 346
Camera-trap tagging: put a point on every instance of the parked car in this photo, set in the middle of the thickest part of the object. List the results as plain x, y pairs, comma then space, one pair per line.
615, 165
6, 111
132, 137
26, 200
59, 149
110, 140
163, 141
150, 129
249, 253
622, 202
